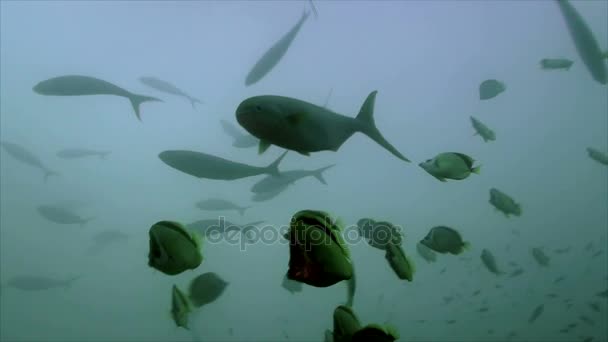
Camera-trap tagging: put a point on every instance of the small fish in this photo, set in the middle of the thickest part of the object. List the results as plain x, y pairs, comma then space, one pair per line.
595, 306
450, 165
21, 154
443, 240
203, 165
559, 279
504, 203
477, 292
452, 321
603, 294
214, 204
586, 320
483, 309
489, 89
173, 249
78, 153
39, 283
379, 233
552, 295
490, 262
482, 130
596, 254
399, 262
206, 288
597, 155
555, 63
78, 85
61, 216
168, 88
562, 250
536, 313
541, 258
272, 183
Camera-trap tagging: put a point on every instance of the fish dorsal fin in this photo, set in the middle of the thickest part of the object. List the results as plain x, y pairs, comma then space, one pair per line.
264, 145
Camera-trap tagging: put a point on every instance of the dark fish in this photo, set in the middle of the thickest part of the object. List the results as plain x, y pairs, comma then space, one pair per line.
483, 309
203, 165
489, 89
559, 279
596, 254
220, 204
241, 140
504, 203
490, 262
272, 183
452, 321
21, 154
552, 295
77, 153
168, 88
597, 155
272, 57
77, 85
39, 283
555, 63
206, 288
586, 45
477, 292
536, 313
595, 307
541, 258
61, 216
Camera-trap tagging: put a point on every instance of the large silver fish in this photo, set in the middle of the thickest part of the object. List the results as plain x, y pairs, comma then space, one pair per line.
203, 165
78, 85
168, 88
21, 154
584, 40
274, 54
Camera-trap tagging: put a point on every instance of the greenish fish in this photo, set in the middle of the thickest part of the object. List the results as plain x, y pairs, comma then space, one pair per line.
536, 313
443, 240
489, 89
172, 249
597, 155
202, 165
379, 234
78, 153
450, 165
346, 323
504, 203
180, 308
482, 130
426, 253
541, 258
77, 85
206, 288
168, 88
318, 255
276, 52
305, 127
24, 156
490, 262
376, 333
586, 45
399, 262
273, 183
555, 63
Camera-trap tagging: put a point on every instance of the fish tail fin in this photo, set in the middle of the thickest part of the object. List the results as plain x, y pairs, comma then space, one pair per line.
137, 100
476, 169
273, 168
103, 155
242, 210
318, 174
466, 246
194, 101
351, 289
368, 125
85, 221
49, 173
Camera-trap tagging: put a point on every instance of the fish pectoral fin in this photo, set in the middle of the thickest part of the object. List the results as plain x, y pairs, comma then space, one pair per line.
296, 118
304, 153
264, 145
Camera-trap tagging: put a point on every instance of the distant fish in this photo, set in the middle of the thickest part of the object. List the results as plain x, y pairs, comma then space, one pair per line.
536, 313
61, 215
585, 42
587, 320
595, 306
516, 273
203, 165
598, 156
267, 196
504, 203
168, 88
541, 258
272, 183
490, 262
603, 294
215, 204
562, 250
26, 157
489, 89
482, 130
77, 85
78, 153
241, 140
555, 63
272, 57
38, 283
559, 279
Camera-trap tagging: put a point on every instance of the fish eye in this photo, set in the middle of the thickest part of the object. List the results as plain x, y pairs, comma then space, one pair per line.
258, 108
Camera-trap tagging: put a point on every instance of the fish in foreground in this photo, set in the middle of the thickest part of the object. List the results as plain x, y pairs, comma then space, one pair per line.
426, 253
291, 285
490, 262
203, 165
586, 45
61, 215
78, 153
38, 283
172, 249
536, 313
21, 154
168, 88
482, 130
78, 85
276, 52
450, 165
346, 324
597, 155
399, 262
504, 203
318, 255
206, 288
272, 183
180, 307
443, 240
220, 204
221, 226
241, 140
541, 258
379, 234
489, 89
555, 63
305, 127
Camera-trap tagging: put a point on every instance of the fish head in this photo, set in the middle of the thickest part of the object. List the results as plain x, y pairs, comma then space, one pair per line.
318, 255
346, 323
376, 333
429, 166
261, 116
172, 249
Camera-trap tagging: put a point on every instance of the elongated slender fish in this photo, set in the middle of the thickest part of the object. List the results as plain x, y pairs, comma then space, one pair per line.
272, 57
38, 283
220, 204
305, 127
26, 157
272, 183
203, 165
241, 140
586, 45
61, 215
168, 88
78, 153
77, 85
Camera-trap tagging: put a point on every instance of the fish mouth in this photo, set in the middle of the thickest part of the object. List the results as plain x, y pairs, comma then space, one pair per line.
301, 267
